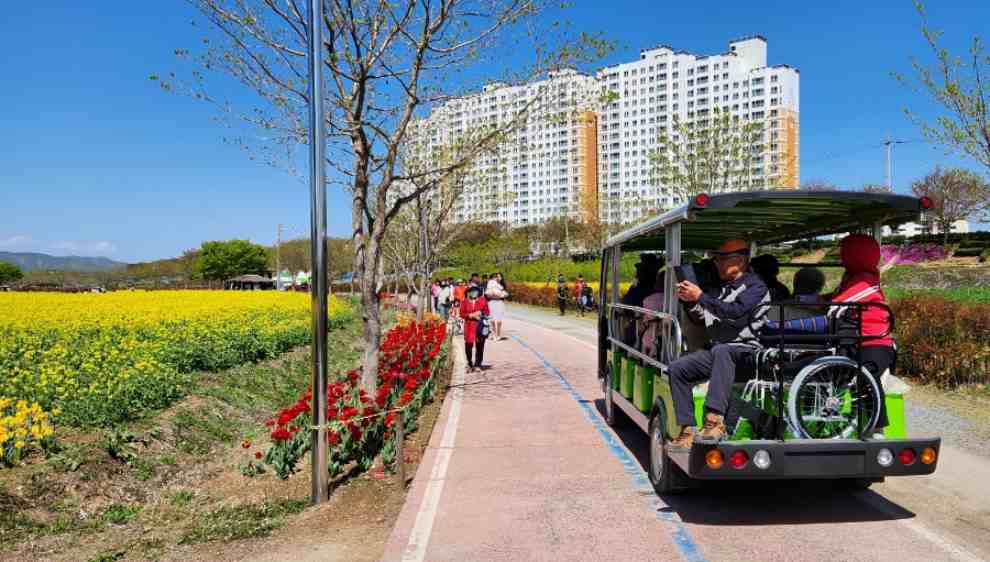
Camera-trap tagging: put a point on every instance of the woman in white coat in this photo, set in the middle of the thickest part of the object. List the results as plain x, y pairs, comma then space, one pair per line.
496, 294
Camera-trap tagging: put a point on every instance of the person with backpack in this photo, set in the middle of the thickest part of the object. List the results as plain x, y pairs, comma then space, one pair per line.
477, 327
562, 294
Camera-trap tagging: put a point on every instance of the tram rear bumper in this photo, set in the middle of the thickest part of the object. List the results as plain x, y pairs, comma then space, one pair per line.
812, 458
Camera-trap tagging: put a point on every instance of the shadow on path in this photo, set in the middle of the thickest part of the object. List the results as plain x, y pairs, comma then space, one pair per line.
765, 502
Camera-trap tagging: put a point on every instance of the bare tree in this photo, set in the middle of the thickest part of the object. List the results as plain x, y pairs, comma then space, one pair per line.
956, 195
875, 188
707, 154
819, 185
958, 85
387, 62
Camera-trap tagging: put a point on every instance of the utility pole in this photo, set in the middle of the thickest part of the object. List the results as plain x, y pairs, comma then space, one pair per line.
318, 245
890, 145
278, 259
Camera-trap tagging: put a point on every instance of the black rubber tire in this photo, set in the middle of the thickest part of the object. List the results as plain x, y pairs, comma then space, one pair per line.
614, 416
666, 477
857, 484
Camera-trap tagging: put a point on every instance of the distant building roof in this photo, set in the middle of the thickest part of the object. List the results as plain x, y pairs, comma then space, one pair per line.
251, 278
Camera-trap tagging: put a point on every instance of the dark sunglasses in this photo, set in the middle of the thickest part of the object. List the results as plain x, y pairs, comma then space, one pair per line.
725, 255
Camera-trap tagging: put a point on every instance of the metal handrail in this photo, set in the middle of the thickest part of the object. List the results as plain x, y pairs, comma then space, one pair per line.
671, 335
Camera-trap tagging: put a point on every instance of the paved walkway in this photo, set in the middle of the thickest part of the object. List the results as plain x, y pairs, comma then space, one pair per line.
521, 467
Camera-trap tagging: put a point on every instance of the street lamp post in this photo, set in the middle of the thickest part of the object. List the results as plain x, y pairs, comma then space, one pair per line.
318, 244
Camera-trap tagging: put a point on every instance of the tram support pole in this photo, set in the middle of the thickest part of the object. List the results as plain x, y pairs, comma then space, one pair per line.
318, 245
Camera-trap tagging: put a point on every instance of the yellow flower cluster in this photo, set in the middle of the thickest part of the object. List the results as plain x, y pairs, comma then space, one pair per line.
22, 426
102, 358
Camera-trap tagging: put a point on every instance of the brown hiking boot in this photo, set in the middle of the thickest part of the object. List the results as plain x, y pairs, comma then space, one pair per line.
685, 439
714, 429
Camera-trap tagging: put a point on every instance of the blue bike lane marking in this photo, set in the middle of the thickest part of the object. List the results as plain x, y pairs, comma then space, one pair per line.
641, 482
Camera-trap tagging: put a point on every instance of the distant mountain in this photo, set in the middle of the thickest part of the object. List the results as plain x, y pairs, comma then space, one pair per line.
29, 261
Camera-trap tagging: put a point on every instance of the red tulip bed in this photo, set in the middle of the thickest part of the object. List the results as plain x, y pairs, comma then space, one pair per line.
360, 426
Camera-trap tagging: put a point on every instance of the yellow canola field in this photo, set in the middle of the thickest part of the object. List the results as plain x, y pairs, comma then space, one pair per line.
103, 358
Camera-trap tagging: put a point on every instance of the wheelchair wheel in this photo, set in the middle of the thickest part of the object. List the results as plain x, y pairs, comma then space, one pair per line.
823, 402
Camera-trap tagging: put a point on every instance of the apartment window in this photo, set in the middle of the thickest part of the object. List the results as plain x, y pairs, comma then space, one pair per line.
773, 78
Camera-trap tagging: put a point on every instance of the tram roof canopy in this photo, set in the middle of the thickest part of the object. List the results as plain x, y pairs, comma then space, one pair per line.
769, 217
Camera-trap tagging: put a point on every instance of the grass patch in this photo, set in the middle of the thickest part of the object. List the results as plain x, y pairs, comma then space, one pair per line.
15, 527
120, 514
241, 522
181, 499
980, 295
198, 431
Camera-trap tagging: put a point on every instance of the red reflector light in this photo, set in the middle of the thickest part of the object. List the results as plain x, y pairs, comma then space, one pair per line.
926, 203
738, 459
701, 199
906, 457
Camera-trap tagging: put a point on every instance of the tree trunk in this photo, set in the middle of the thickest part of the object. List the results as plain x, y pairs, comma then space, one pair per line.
423, 297
370, 315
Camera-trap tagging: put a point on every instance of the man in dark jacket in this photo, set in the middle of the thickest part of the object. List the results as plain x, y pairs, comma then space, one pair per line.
732, 313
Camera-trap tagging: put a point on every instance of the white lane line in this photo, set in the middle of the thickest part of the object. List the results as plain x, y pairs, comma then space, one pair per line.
917, 527
957, 552
419, 538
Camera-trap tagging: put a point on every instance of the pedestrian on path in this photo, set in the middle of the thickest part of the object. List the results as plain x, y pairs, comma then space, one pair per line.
579, 287
435, 292
443, 300
474, 310
496, 294
562, 294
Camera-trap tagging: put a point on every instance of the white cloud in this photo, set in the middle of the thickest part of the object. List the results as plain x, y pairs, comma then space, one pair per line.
15, 241
102, 247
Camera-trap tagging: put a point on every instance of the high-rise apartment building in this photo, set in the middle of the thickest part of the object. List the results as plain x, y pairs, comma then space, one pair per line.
545, 167
666, 86
584, 148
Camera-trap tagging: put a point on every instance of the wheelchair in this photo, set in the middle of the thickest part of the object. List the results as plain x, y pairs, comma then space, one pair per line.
811, 385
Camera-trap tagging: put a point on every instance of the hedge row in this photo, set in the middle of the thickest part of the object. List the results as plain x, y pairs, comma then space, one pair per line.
941, 341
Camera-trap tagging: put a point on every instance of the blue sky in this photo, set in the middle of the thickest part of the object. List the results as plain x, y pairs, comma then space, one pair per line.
96, 160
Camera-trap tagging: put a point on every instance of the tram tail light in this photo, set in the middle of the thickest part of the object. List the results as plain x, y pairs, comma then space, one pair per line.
738, 458
928, 455
906, 456
761, 459
714, 459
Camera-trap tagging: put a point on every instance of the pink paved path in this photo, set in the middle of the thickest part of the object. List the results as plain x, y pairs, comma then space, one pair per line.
528, 476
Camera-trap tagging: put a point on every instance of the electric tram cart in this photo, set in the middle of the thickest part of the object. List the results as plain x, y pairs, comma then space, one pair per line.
803, 405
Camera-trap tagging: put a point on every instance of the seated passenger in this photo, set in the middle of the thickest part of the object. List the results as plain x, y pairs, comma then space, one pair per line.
767, 267
646, 272
808, 285
860, 255
732, 314
648, 325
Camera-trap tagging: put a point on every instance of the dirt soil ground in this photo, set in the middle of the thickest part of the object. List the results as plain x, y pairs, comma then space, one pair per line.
171, 487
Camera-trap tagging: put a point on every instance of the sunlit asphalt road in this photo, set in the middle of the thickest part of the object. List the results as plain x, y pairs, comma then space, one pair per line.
522, 468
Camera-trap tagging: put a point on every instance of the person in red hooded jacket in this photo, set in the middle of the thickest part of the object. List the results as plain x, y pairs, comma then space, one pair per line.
860, 255
472, 309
